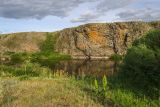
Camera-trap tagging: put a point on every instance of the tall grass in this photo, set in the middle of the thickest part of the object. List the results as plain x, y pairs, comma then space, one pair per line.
55, 92
27, 69
111, 92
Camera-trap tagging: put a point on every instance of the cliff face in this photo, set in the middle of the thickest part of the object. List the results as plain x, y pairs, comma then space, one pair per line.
101, 40
90, 40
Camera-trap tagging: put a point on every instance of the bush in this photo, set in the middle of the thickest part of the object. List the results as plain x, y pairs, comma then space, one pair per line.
116, 57
26, 70
49, 44
18, 57
151, 40
141, 65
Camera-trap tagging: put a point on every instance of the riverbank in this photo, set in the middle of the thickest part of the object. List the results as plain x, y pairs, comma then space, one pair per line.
37, 84
91, 57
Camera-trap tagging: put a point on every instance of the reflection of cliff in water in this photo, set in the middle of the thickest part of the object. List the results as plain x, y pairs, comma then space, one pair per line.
86, 67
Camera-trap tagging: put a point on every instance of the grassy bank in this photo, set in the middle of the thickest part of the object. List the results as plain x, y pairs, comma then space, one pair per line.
57, 92
32, 85
36, 86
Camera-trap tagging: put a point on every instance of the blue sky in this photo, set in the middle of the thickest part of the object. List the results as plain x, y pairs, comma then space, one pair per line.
52, 15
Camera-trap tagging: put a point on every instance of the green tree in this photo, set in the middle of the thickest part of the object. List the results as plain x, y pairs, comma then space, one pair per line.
49, 44
141, 65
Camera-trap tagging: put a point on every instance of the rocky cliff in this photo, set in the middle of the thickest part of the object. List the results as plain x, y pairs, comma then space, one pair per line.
90, 41
101, 40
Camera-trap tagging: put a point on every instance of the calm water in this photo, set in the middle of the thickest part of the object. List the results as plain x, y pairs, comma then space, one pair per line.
86, 67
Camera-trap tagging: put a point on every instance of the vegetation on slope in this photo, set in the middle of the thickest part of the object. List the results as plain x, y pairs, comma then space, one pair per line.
46, 53
21, 42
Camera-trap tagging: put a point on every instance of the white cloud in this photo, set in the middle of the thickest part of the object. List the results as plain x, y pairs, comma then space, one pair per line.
145, 14
102, 7
107, 5
87, 16
144, 10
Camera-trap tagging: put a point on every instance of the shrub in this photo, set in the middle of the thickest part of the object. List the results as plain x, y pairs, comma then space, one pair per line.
25, 70
18, 57
141, 65
49, 44
116, 57
151, 40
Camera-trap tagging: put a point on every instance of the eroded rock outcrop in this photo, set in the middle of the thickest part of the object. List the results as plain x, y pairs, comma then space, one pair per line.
101, 40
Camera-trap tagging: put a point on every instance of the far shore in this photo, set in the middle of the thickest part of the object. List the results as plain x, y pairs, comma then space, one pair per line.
91, 58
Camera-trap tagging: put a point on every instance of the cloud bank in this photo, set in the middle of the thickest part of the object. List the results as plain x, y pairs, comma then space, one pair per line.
38, 9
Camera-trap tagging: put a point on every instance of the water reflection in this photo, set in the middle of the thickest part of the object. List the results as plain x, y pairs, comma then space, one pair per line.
81, 68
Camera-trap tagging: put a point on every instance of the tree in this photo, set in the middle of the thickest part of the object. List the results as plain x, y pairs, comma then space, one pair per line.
141, 65
49, 44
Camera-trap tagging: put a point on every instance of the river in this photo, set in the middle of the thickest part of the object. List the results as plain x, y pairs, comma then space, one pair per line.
85, 67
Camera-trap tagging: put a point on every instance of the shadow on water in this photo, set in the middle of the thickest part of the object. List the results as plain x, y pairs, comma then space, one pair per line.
83, 68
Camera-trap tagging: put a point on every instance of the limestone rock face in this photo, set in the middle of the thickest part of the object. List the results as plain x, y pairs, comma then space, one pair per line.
101, 40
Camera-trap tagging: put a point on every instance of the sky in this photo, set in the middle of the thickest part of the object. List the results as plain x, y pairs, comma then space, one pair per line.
53, 15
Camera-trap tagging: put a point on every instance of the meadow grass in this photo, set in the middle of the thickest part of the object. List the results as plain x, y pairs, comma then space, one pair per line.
36, 92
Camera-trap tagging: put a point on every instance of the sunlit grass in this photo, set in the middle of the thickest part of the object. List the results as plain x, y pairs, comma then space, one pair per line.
57, 92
